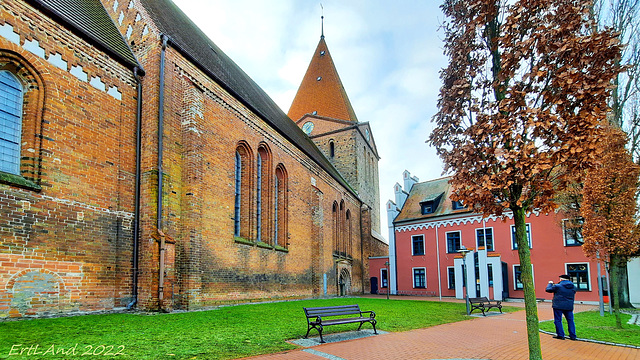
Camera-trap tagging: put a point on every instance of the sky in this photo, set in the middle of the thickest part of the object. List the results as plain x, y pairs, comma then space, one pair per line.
388, 55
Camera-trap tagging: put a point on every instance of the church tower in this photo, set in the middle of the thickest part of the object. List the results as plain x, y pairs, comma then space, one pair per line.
322, 109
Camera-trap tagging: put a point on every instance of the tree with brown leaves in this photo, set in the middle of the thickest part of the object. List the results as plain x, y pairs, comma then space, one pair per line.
623, 17
520, 109
609, 208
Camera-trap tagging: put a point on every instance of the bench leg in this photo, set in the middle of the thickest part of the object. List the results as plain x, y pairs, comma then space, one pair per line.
320, 331
374, 326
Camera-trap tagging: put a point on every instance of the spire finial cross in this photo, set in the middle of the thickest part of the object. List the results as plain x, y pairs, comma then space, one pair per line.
322, 20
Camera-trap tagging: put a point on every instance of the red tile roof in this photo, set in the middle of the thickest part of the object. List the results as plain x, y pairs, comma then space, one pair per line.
321, 90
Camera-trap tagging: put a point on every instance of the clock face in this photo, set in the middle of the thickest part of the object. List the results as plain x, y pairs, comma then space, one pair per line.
307, 127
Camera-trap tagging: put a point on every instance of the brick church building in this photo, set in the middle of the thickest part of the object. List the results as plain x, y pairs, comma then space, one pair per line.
141, 167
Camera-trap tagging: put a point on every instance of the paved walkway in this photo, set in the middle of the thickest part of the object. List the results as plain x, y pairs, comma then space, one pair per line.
493, 337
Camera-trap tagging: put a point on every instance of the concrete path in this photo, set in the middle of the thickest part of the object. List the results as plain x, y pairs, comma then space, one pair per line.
494, 337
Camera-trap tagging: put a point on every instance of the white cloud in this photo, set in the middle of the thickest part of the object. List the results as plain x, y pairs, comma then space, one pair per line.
388, 55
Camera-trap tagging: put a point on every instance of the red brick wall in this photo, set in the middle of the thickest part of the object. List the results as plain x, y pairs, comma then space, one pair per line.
203, 127
67, 247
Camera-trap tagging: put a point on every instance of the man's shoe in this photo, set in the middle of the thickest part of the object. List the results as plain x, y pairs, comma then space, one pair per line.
574, 339
558, 337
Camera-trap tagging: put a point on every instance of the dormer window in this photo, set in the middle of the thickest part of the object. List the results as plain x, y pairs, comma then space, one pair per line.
457, 205
430, 204
427, 207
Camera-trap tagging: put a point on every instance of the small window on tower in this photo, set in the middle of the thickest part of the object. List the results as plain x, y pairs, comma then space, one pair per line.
322, 53
319, 78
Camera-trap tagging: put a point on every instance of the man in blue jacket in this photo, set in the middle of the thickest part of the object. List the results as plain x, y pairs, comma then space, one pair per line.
564, 294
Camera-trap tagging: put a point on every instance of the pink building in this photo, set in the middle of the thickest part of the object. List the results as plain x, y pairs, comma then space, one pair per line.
427, 230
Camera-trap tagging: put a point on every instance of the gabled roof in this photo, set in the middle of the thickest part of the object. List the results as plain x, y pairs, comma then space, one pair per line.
89, 20
428, 191
193, 44
321, 90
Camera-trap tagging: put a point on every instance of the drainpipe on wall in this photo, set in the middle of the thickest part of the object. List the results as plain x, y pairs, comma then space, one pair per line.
362, 252
137, 71
438, 257
395, 260
164, 39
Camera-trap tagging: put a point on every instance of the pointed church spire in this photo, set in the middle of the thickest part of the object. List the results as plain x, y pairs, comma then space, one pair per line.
321, 92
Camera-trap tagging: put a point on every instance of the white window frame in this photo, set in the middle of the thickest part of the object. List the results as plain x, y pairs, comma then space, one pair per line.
449, 277
424, 247
513, 236
513, 272
493, 238
413, 277
588, 275
446, 239
382, 277
564, 235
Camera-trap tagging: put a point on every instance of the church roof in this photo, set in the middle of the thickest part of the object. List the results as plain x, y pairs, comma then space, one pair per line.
321, 91
90, 20
192, 43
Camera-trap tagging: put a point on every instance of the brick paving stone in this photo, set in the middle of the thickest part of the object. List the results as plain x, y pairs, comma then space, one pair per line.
500, 337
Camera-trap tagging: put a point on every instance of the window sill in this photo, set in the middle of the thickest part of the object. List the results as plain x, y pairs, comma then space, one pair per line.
280, 248
19, 181
244, 241
264, 245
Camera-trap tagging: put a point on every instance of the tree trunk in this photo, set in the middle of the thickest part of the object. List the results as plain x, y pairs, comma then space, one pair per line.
615, 279
526, 276
623, 286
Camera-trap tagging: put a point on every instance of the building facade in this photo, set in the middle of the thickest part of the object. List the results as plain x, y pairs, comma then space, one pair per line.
141, 167
427, 231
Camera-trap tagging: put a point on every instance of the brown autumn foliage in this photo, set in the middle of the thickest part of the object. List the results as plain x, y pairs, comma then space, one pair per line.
609, 202
524, 94
520, 108
609, 208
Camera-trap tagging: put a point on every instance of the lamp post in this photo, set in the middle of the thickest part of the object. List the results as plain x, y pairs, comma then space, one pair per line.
464, 251
386, 263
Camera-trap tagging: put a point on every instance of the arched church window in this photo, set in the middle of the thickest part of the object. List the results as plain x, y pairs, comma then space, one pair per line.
242, 199
281, 207
21, 108
11, 97
263, 195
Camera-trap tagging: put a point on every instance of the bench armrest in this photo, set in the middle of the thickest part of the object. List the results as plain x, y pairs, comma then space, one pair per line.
371, 313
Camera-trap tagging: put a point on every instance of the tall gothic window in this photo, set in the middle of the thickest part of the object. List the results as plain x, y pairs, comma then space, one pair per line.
242, 202
349, 245
10, 122
281, 211
263, 196
336, 227
238, 195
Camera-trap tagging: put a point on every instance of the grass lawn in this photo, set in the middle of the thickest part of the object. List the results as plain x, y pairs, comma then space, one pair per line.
590, 325
224, 333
